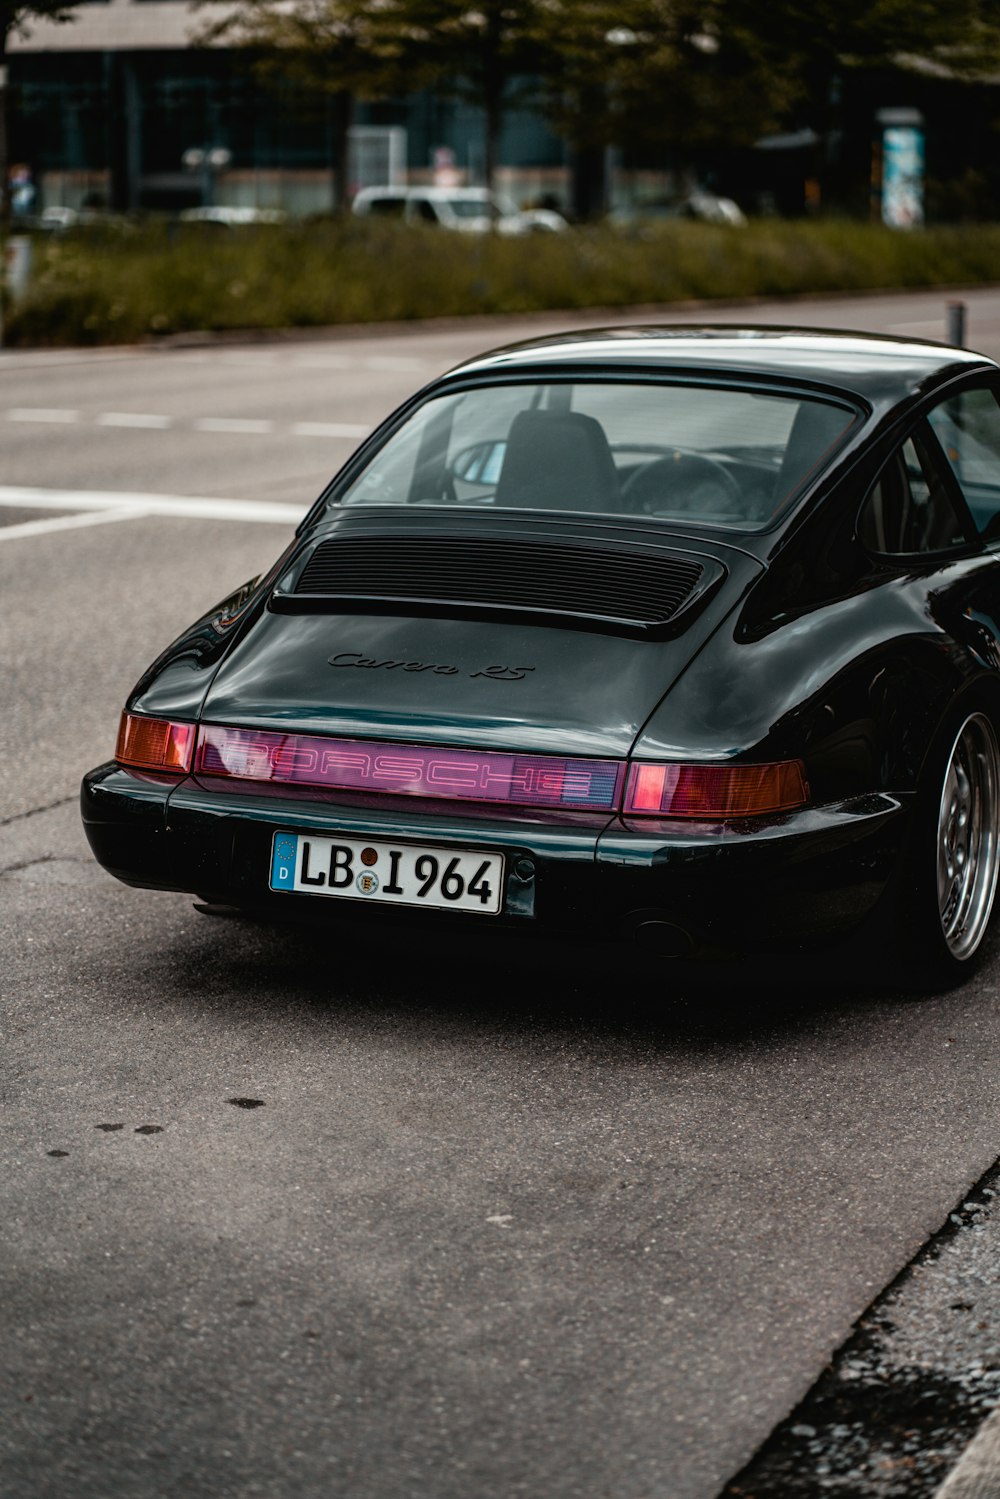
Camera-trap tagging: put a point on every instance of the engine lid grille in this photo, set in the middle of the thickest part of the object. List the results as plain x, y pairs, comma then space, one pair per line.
634, 588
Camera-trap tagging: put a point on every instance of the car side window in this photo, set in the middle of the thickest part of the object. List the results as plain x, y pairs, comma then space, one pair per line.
388, 208
910, 508
968, 428
425, 211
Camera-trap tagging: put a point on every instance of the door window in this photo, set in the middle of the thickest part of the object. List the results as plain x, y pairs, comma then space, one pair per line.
968, 428
910, 508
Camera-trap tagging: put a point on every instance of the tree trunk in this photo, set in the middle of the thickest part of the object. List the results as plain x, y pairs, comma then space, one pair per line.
494, 120
5, 210
341, 114
588, 182
493, 92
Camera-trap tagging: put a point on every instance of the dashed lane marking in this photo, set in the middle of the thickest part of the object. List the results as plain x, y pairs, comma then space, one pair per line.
133, 419
232, 424
329, 429
97, 507
63, 417
59, 414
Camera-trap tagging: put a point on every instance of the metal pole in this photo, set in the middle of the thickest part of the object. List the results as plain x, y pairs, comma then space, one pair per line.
955, 315
4, 193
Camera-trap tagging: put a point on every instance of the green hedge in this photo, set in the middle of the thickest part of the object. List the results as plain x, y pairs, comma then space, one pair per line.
125, 285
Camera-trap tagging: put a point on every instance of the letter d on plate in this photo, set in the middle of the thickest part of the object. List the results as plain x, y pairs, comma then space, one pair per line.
283, 862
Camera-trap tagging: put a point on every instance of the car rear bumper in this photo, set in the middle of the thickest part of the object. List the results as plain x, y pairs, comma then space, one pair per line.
674, 886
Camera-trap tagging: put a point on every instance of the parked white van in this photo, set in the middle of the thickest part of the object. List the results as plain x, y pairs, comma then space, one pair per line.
471, 210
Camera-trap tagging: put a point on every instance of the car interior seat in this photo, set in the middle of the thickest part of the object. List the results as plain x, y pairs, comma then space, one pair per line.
557, 460
813, 433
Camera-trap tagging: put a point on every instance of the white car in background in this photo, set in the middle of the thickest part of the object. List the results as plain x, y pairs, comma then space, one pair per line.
232, 216
470, 210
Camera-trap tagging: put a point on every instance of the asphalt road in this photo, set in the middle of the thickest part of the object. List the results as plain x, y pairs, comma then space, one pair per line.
498, 1222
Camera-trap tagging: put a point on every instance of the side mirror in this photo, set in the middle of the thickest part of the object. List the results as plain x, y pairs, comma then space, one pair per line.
480, 464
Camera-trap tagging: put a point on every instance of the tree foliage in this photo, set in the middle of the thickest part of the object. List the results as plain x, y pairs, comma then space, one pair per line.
482, 51
657, 71
670, 77
324, 49
16, 14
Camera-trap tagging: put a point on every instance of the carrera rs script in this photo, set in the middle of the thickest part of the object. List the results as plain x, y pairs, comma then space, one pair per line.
494, 673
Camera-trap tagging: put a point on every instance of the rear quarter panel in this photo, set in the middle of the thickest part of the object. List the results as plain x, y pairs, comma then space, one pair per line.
856, 685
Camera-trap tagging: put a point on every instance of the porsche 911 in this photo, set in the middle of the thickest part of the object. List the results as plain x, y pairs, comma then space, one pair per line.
681, 637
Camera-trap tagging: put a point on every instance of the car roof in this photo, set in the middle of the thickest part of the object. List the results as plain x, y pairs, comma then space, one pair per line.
875, 367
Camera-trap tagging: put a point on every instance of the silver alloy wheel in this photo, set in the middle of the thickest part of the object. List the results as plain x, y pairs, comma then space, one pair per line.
968, 850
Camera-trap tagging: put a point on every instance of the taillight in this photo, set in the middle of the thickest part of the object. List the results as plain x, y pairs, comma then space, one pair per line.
410, 770
155, 744
715, 791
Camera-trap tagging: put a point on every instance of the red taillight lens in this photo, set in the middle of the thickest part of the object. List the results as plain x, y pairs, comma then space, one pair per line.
155, 744
715, 791
410, 770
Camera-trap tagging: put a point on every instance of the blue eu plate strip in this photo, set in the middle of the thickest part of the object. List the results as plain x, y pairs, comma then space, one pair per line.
283, 861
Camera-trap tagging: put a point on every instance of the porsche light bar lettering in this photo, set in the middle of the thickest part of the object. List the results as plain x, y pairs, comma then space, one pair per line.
355, 765
705, 792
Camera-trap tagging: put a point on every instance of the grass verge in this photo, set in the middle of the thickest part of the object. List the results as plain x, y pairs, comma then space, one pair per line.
123, 286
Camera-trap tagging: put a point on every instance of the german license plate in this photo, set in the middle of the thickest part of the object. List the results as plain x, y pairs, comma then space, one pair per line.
402, 874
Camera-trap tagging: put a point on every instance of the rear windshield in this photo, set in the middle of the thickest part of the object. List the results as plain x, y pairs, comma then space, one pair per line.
713, 455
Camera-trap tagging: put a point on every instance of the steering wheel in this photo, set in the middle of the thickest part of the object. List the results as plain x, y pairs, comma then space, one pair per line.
682, 483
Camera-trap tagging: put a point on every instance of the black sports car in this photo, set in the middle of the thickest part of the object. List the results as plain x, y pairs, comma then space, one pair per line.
690, 636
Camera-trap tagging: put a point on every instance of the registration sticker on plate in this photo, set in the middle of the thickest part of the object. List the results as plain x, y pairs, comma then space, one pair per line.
401, 874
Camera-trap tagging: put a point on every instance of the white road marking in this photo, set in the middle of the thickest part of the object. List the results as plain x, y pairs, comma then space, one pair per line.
118, 505
302, 359
977, 1473
160, 423
42, 414
70, 522
232, 424
133, 419
329, 429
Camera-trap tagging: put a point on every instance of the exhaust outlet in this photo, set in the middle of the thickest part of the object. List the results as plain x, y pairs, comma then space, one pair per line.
653, 933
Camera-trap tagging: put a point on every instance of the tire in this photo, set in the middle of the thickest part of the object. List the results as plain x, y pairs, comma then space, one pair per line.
949, 879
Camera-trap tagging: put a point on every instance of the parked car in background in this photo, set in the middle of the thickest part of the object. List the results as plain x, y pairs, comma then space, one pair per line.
227, 216
705, 208
58, 219
470, 210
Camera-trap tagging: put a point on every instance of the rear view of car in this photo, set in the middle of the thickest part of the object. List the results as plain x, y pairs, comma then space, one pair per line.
617, 635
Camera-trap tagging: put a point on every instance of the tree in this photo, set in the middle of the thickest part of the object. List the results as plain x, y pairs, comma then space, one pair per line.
825, 40
14, 16
681, 78
324, 48
684, 78
486, 53
688, 77
346, 49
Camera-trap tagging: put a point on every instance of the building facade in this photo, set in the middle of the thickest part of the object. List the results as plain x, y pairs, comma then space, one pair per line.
107, 108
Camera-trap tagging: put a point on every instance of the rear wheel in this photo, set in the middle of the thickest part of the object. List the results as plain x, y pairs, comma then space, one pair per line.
967, 840
955, 857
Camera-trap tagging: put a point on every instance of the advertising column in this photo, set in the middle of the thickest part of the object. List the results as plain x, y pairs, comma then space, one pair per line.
902, 167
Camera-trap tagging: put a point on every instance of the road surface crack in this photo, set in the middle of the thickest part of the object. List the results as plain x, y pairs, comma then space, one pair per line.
63, 801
